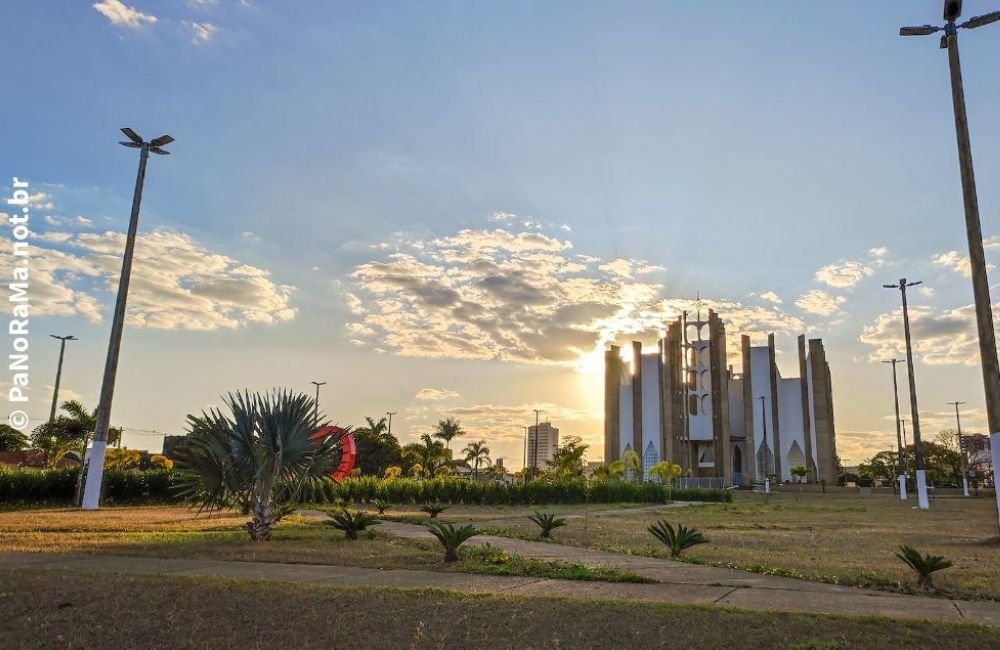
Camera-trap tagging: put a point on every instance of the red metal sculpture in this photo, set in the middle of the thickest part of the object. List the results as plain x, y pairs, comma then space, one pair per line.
348, 450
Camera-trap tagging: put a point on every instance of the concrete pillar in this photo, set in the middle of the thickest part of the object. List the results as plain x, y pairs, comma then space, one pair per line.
775, 424
637, 398
612, 405
750, 458
822, 393
806, 424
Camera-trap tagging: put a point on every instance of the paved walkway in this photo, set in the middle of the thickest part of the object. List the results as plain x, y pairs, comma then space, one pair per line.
687, 585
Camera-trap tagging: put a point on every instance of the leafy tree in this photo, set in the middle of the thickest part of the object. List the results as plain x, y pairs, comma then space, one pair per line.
880, 467
665, 471
429, 454
800, 472
377, 448
632, 465
448, 430
257, 457
12, 439
121, 459
393, 472
475, 454
158, 461
567, 460
610, 471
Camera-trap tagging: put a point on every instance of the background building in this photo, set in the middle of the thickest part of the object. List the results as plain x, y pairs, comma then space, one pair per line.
682, 403
548, 441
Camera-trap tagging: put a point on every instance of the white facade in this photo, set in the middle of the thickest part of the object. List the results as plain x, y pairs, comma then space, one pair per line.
548, 442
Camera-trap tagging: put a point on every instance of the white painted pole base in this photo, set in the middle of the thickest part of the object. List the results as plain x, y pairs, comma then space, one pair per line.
965, 486
902, 487
767, 486
94, 467
922, 501
995, 453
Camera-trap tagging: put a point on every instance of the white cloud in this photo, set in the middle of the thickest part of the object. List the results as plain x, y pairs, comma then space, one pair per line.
435, 394
938, 337
956, 262
122, 14
520, 296
769, 296
820, 302
176, 282
201, 32
844, 274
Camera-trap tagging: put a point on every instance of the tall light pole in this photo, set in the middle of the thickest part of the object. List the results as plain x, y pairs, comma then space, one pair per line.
918, 452
55, 392
767, 449
961, 450
317, 384
973, 227
525, 468
900, 460
534, 452
390, 414
94, 462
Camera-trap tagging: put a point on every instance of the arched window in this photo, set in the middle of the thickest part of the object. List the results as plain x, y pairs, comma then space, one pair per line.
692, 405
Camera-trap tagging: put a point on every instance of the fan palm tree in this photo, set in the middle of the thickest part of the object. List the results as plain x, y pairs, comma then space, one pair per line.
257, 457
476, 453
447, 430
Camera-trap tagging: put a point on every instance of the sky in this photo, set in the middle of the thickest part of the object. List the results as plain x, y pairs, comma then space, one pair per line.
451, 208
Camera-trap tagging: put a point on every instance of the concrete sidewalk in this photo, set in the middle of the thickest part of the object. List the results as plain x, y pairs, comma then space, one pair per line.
843, 601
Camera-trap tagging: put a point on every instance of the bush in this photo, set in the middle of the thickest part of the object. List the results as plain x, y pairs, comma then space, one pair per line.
451, 537
676, 539
368, 489
547, 522
352, 523
56, 486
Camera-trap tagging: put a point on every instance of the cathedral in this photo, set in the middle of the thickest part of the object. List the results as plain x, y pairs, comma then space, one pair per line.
685, 404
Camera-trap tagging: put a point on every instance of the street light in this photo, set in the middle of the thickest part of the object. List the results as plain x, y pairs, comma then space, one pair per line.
55, 392
94, 461
899, 438
317, 384
973, 226
918, 453
390, 414
961, 450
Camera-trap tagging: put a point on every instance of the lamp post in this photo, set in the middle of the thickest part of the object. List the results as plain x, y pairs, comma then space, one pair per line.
55, 392
94, 461
317, 384
767, 449
973, 226
899, 438
390, 414
961, 450
918, 452
525, 466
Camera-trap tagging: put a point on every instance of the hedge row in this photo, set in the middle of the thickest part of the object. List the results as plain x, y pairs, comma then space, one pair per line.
455, 490
58, 485
134, 486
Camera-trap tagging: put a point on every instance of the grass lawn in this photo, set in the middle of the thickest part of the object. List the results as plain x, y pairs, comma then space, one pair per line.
177, 532
834, 537
46, 610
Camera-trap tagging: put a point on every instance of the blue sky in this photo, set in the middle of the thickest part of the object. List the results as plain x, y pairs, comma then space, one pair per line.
341, 149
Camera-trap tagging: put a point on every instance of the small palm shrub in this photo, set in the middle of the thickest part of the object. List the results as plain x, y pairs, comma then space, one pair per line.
433, 509
381, 505
451, 537
547, 522
923, 565
676, 539
351, 523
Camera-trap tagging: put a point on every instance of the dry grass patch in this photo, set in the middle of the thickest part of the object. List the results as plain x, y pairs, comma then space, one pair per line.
44, 610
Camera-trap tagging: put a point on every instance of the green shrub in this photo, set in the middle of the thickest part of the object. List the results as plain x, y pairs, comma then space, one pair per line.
547, 522
923, 565
433, 509
56, 486
451, 537
367, 489
352, 523
676, 539
381, 505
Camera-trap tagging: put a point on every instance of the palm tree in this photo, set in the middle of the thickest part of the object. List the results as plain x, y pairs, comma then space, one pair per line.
257, 457
632, 465
448, 429
476, 453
